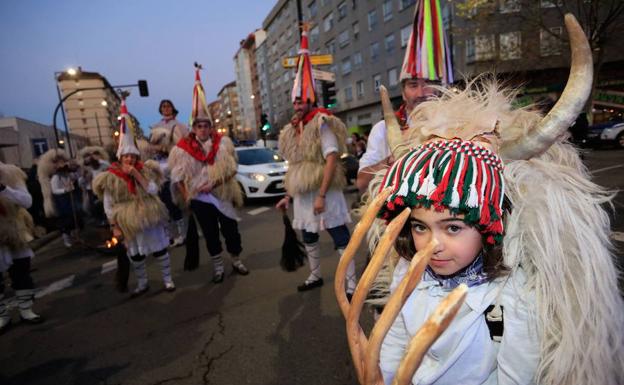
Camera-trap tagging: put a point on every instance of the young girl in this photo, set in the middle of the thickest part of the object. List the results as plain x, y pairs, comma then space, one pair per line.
129, 190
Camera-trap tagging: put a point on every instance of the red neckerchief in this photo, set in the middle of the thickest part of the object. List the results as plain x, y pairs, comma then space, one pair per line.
313, 113
193, 147
401, 114
115, 169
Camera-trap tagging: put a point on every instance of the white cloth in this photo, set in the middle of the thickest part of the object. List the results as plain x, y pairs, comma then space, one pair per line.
21, 197
226, 207
377, 148
62, 183
180, 128
464, 353
336, 211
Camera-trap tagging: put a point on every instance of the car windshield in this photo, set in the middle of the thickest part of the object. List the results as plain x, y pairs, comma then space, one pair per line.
252, 156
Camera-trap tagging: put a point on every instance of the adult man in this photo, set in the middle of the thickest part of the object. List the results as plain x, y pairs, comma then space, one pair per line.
203, 166
312, 144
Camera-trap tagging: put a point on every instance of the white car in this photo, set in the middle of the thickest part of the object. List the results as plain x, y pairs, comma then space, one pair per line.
261, 172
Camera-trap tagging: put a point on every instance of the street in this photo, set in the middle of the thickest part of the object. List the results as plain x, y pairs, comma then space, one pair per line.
254, 329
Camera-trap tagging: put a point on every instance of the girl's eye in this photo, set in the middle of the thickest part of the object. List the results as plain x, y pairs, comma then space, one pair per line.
417, 227
453, 229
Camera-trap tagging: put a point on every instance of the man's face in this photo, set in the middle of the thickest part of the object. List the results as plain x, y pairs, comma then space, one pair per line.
202, 130
301, 107
166, 109
416, 91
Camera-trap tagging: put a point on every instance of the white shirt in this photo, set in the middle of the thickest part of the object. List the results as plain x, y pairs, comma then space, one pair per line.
464, 353
377, 148
62, 183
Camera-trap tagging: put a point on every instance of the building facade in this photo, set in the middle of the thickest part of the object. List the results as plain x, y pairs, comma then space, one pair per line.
247, 83
230, 117
22, 141
90, 113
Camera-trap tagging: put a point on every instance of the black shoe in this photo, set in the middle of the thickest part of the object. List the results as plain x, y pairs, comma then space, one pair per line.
240, 268
138, 292
310, 285
33, 321
217, 278
6, 327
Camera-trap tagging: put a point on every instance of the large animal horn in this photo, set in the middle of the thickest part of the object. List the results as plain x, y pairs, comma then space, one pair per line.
572, 101
393, 129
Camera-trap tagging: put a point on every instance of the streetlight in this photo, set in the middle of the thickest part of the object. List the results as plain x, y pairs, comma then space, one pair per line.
104, 103
71, 72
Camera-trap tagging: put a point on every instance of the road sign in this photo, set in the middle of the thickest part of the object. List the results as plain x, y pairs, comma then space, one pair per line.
323, 75
316, 60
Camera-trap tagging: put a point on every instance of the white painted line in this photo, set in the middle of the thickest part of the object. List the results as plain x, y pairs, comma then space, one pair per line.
617, 236
606, 168
259, 210
56, 286
109, 266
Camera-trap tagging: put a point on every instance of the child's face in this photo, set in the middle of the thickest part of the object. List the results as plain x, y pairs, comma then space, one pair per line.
458, 243
129, 159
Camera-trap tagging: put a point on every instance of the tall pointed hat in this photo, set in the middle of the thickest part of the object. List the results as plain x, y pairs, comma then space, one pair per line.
427, 55
303, 87
200, 109
127, 139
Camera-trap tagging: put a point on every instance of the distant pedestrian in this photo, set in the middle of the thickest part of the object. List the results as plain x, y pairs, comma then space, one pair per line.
93, 160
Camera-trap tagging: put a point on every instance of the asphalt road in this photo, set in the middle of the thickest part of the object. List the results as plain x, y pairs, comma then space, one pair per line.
255, 329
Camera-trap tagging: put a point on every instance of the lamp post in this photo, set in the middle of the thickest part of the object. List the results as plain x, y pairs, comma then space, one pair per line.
70, 72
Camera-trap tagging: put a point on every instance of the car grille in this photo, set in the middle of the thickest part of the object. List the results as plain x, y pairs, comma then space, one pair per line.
277, 173
273, 189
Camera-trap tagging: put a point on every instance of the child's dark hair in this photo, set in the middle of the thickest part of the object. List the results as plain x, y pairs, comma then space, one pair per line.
160, 106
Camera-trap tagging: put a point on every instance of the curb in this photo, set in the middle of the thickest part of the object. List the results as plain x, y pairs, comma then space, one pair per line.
38, 243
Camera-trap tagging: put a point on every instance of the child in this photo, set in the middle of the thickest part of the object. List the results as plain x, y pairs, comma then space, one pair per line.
129, 190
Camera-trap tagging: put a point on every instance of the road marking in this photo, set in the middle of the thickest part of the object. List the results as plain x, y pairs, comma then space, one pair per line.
56, 286
109, 266
259, 210
607, 168
617, 236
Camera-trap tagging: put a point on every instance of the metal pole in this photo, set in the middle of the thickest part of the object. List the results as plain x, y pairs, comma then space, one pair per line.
58, 90
97, 123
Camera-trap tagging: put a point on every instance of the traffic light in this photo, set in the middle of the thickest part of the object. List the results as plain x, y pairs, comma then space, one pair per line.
143, 91
329, 94
264, 123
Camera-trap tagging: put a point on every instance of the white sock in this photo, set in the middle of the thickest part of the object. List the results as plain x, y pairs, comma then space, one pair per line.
217, 263
314, 261
181, 225
24, 303
140, 272
165, 267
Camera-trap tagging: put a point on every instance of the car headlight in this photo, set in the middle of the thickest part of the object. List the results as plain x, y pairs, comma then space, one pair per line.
255, 176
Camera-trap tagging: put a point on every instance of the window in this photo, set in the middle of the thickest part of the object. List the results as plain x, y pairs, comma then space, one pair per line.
470, 50
405, 35
356, 29
510, 45
550, 41
376, 82
342, 10
357, 60
348, 93
389, 42
508, 6
314, 35
374, 50
325, 2
40, 147
313, 9
387, 10
485, 47
328, 22
372, 19
405, 3
359, 88
346, 66
393, 77
331, 46
343, 38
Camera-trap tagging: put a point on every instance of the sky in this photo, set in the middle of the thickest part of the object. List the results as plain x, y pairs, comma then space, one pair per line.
124, 41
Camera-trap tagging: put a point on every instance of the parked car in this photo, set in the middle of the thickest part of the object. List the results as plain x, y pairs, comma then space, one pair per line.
261, 172
607, 133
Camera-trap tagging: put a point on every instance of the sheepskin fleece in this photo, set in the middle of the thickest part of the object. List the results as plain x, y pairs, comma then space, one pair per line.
194, 174
16, 227
305, 156
133, 212
45, 169
91, 149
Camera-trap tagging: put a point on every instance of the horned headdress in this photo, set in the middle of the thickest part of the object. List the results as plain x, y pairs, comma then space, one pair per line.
557, 230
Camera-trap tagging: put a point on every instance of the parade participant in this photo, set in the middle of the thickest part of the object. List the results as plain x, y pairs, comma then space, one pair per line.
57, 176
129, 190
495, 213
418, 81
164, 136
203, 166
93, 160
312, 144
16, 229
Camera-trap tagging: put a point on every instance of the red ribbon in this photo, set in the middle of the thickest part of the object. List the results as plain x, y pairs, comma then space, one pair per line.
193, 147
116, 170
401, 115
313, 113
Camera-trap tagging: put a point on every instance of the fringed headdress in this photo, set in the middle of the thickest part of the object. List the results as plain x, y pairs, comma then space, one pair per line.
303, 86
200, 109
127, 139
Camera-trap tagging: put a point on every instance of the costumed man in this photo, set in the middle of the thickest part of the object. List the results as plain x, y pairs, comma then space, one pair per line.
93, 161
426, 64
16, 230
203, 165
312, 144
57, 176
129, 190
498, 244
164, 136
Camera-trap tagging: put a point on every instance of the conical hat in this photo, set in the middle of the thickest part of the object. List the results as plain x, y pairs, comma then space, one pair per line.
127, 141
303, 86
200, 110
